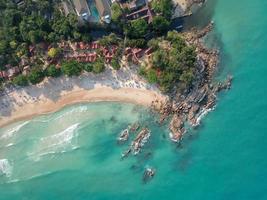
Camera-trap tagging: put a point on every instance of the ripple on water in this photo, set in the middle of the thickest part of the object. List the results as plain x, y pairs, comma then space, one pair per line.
11, 132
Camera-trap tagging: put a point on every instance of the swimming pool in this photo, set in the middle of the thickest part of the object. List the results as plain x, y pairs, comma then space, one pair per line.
94, 12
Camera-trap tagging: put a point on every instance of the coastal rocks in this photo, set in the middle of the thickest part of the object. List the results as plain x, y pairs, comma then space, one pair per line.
165, 109
123, 137
193, 111
140, 140
134, 127
149, 173
226, 85
195, 102
177, 128
138, 143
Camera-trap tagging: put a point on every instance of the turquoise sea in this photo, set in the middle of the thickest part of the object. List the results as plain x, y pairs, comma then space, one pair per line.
72, 154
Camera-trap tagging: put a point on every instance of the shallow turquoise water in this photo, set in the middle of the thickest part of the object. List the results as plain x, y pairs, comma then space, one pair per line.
73, 154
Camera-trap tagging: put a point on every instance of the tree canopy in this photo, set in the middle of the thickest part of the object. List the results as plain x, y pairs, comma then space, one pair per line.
160, 24
116, 12
115, 64
164, 7
34, 22
21, 80
52, 71
138, 28
53, 52
71, 68
99, 66
172, 62
36, 76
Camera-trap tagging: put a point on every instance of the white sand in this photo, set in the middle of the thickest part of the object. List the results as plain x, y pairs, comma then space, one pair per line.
53, 94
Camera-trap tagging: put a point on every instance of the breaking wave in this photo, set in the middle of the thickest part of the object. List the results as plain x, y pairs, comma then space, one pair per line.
57, 143
9, 133
9, 145
31, 177
202, 114
79, 109
5, 167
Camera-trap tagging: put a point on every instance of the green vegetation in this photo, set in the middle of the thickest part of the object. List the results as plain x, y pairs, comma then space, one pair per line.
151, 75
36, 76
116, 12
26, 32
172, 62
88, 67
34, 22
21, 80
139, 43
153, 43
71, 68
115, 64
111, 39
163, 7
160, 24
99, 66
137, 28
52, 71
54, 52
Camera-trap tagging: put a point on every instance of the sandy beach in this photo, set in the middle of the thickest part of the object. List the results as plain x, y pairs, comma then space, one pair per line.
53, 94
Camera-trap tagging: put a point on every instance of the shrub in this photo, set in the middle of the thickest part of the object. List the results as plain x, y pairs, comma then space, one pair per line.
53, 52
71, 68
88, 67
53, 71
152, 76
99, 66
115, 64
21, 80
36, 76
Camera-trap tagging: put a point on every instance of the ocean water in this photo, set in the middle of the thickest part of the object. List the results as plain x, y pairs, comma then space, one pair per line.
72, 154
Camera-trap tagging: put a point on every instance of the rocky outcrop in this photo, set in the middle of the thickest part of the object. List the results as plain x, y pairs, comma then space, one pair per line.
177, 128
192, 104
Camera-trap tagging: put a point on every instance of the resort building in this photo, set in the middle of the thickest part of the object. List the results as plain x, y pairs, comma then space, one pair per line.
82, 9
104, 10
92, 11
139, 9
67, 7
143, 13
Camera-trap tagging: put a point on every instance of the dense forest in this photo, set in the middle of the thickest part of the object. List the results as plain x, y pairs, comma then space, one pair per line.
173, 63
31, 23
39, 22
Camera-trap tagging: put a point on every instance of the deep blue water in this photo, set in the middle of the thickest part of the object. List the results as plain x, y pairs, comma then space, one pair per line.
72, 154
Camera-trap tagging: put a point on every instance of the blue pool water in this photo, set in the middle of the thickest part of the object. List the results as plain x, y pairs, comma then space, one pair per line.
94, 12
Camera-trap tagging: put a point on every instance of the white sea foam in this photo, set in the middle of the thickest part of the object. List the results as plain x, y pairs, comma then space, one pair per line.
79, 109
57, 143
30, 178
201, 115
10, 144
9, 133
5, 167
63, 137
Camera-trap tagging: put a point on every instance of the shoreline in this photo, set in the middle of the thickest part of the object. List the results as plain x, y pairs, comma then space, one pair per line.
102, 94
54, 94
